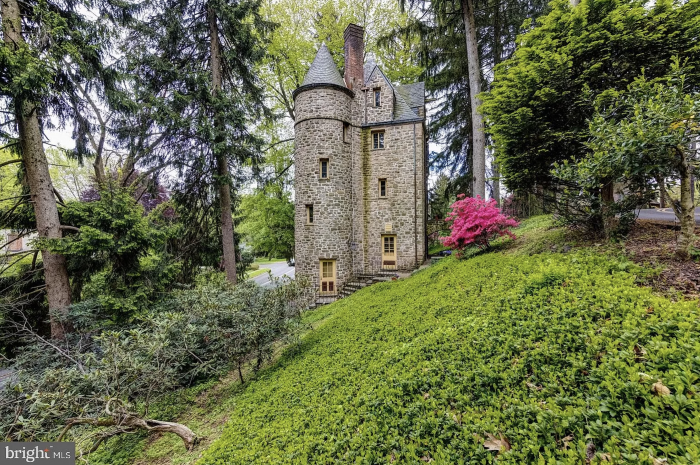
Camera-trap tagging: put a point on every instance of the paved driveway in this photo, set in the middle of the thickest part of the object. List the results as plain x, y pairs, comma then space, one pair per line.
665, 215
278, 269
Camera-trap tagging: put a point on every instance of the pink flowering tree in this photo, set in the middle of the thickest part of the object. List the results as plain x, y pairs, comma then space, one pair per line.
475, 221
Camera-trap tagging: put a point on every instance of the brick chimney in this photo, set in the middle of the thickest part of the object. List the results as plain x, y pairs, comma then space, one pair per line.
354, 56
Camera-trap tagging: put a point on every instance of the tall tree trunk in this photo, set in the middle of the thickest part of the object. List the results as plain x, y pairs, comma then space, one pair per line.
479, 150
686, 213
41, 189
497, 50
684, 210
223, 175
608, 191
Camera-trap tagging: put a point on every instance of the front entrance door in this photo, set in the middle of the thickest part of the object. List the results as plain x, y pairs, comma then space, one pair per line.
328, 286
389, 252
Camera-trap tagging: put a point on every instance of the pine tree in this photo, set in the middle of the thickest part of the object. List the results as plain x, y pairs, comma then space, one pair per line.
441, 27
194, 60
41, 39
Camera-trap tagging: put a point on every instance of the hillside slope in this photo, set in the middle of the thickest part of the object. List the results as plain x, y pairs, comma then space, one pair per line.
553, 355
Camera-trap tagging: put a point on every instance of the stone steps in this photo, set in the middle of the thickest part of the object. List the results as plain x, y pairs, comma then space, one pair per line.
358, 282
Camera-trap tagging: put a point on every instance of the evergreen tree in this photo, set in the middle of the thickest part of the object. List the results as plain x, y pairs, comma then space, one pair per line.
194, 61
41, 41
441, 28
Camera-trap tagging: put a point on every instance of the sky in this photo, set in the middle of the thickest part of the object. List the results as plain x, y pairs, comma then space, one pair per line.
63, 138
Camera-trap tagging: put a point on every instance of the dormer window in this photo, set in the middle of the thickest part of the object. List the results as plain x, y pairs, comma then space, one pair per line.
377, 97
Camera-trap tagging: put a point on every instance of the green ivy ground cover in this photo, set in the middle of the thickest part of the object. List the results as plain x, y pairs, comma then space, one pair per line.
551, 351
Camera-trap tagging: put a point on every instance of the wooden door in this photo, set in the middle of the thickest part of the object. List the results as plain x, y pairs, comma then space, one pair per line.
328, 271
389, 252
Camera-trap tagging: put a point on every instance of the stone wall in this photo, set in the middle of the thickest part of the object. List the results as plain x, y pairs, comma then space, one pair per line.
350, 217
315, 138
322, 102
385, 111
402, 211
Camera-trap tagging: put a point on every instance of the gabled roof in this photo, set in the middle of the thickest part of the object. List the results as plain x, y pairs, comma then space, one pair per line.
323, 70
403, 111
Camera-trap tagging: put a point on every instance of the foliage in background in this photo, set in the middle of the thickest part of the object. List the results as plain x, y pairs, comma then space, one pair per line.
69, 176
440, 197
476, 222
194, 63
442, 50
10, 186
648, 137
118, 261
267, 222
303, 25
543, 97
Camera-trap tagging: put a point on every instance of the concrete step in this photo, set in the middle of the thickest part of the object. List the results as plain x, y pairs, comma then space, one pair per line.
325, 300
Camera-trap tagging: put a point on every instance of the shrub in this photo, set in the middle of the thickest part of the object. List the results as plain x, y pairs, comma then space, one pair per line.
475, 221
564, 355
100, 382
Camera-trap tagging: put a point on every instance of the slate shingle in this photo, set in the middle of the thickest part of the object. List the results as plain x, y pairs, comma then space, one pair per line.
413, 94
323, 70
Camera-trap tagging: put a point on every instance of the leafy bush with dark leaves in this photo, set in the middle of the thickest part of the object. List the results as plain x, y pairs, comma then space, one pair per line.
100, 381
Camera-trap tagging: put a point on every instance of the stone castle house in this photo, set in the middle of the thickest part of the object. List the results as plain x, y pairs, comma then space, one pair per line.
360, 170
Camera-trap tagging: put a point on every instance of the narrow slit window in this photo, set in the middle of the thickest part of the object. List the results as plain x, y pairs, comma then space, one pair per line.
309, 214
382, 188
346, 132
378, 140
377, 98
323, 168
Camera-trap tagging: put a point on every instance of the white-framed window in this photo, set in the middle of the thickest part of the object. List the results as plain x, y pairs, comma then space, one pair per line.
378, 140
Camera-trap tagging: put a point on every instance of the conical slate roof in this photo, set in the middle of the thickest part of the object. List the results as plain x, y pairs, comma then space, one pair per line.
323, 70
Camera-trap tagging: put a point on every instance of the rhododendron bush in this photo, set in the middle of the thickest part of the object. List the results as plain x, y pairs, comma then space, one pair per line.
475, 221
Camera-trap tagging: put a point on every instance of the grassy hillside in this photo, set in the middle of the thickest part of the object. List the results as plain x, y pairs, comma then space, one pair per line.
549, 355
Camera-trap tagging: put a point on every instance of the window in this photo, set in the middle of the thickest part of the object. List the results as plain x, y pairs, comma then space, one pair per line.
328, 277
382, 188
309, 214
377, 97
389, 252
378, 140
346, 132
323, 168
389, 245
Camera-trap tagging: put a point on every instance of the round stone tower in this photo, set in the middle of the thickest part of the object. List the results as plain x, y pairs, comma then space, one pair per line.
323, 176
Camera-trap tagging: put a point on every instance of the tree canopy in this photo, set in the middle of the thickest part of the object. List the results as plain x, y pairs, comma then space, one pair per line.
544, 95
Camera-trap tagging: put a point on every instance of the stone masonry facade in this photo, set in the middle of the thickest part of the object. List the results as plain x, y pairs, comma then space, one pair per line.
335, 127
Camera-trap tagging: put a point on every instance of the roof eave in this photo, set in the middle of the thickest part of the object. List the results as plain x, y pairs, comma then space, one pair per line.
322, 85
